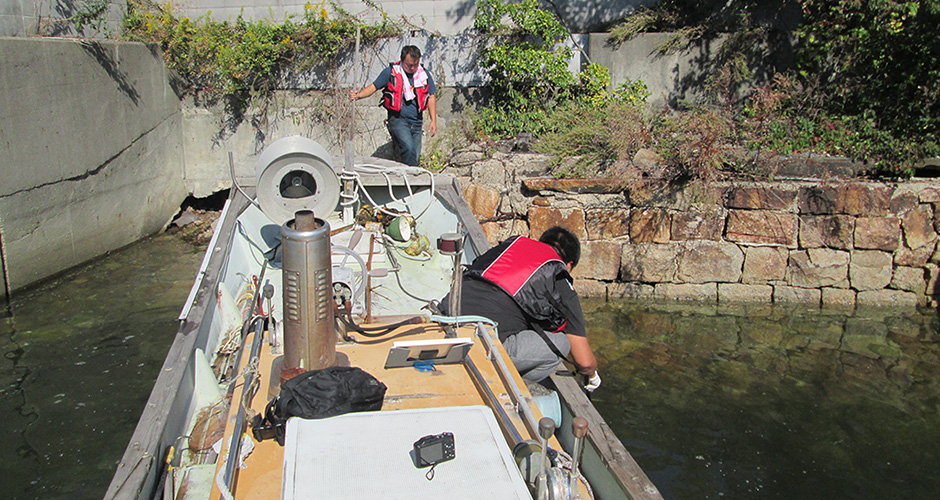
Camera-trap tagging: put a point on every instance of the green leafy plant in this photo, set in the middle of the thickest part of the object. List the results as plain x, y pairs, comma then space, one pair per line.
247, 57
91, 14
633, 92
866, 84
527, 65
877, 58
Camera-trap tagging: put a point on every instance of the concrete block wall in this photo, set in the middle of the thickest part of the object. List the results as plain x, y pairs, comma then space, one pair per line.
90, 151
841, 243
444, 17
23, 18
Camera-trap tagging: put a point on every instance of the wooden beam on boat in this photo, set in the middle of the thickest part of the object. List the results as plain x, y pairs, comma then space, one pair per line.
631, 478
136, 473
613, 454
449, 192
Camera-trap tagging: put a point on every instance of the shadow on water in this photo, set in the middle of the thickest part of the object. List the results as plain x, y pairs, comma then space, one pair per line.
81, 353
771, 402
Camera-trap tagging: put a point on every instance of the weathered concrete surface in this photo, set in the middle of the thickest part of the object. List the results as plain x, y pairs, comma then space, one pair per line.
440, 16
669, 77
209, 134
90, 151
37, 17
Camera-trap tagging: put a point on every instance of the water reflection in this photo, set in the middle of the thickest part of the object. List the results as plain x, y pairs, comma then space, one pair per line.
81, 353
773, 402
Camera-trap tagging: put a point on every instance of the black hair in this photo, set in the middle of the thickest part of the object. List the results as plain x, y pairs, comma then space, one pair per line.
410, 50
564, 242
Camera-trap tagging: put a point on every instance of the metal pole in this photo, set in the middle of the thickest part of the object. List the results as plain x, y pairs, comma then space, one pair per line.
456, 290
510, 382
501, 414
5, 276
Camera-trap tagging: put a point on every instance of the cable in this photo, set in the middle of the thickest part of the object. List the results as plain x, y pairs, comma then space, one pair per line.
457, 320
403, 171
387, 241
231, 169
377, 331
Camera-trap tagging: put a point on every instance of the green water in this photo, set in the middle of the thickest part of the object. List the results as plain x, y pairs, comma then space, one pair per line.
738, 403
773, 403
81, 353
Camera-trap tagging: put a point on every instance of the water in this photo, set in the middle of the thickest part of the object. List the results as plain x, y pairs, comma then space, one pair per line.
739, 403
80, 356
773, 403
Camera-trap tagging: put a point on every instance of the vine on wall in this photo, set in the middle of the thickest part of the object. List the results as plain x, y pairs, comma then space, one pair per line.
244, 56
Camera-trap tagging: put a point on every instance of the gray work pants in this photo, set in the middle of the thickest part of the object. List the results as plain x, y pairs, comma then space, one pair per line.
532, 356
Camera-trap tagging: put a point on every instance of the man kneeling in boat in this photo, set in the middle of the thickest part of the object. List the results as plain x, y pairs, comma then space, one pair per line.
525, 286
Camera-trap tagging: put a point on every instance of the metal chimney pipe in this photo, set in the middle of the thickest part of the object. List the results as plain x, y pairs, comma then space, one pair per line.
309, 330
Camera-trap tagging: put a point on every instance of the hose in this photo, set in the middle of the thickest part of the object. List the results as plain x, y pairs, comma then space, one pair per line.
377, 331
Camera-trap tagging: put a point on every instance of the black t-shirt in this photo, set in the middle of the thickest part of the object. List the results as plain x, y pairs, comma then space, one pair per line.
482, 298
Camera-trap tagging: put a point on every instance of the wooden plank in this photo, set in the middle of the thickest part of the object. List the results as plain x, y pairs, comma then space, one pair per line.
448, 385
449, 192
621, 464
135, 474
619, 461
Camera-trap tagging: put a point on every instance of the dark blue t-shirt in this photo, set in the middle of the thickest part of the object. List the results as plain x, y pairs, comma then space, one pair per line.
409, 109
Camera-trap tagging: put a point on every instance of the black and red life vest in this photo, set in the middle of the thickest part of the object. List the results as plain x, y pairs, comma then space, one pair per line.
393, 94
526, 269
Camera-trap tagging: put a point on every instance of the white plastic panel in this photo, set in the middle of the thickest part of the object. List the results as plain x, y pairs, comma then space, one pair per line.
368, 455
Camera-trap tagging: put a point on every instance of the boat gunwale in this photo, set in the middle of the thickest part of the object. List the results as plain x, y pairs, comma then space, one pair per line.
131, 477
620, 463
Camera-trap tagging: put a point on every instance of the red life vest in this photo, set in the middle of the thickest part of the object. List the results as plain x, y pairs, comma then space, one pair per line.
526, 269
392, 95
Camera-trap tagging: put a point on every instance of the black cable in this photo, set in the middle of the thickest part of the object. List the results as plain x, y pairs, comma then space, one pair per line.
377, 331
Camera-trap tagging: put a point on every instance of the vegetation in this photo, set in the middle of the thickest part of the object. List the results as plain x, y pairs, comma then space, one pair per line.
247, 56
866, 82
523, 51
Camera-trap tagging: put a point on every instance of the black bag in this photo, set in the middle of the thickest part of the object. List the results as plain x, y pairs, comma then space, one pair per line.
319, 394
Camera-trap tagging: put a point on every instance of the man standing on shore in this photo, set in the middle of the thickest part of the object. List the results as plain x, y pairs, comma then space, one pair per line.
407, 90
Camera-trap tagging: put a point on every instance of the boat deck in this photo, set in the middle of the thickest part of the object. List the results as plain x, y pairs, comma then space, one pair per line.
408, 388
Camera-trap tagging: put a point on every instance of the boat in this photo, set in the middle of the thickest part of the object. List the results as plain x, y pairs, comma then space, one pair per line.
336, 262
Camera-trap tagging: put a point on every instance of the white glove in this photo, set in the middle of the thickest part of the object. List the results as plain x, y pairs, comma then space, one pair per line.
594, 382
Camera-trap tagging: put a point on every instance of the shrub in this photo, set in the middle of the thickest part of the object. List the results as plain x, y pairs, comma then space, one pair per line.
527, 65
245, 56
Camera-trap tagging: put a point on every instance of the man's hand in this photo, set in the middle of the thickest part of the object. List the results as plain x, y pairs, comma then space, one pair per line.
432, 128
362, 94
594, 382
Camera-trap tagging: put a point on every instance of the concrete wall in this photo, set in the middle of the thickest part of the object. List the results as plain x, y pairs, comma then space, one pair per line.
445, 17
683, 74
51, 18
316, 105
312, 104
90, 151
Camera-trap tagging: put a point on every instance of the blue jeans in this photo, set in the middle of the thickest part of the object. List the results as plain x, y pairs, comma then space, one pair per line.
406, 134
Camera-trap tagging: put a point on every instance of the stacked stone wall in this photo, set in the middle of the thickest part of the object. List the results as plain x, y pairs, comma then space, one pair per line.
842, 243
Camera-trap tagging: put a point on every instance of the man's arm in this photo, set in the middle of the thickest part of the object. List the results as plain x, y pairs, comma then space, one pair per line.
582, 355
365, 92
432, 110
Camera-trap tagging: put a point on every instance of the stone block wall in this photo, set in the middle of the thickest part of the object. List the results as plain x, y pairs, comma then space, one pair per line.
832, 243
